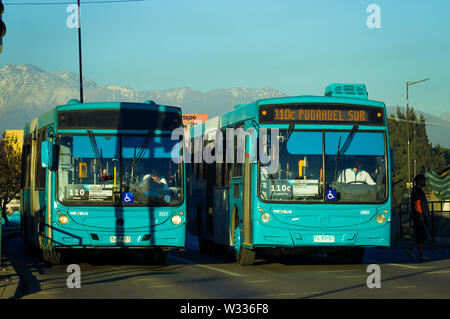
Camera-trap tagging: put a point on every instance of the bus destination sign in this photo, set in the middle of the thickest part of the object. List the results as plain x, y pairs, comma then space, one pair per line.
321, 114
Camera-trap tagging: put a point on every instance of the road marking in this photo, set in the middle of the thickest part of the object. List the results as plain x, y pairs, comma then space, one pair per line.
186, 261
256, 281
408, 266
283, 294
438, 272
326, 271
397, 265
405, 287
350, 276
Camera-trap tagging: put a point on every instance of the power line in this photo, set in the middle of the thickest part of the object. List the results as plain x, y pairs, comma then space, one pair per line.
65, 3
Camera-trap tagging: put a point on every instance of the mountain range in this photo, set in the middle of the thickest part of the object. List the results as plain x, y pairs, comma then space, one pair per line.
27, 91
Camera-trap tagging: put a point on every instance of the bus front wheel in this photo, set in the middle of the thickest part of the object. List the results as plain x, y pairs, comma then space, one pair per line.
353, 255
52, 257
156, 257
244, 256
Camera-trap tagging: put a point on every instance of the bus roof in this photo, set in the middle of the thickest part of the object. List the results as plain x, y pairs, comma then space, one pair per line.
243, 112
49, 117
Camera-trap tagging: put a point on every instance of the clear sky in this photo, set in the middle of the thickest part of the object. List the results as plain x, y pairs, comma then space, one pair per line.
294, 46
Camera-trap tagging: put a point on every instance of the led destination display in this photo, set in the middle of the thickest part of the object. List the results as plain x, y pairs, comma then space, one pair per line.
317, 114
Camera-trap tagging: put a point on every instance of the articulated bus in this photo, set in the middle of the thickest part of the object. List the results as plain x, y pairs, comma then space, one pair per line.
329, 192
99, 176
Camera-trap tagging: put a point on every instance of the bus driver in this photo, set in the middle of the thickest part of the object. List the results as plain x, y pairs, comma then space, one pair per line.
355, 174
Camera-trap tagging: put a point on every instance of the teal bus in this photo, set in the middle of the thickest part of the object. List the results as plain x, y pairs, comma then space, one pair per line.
101, 176
328, 193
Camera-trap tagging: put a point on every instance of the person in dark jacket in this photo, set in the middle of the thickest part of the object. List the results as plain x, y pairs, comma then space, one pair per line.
419, 207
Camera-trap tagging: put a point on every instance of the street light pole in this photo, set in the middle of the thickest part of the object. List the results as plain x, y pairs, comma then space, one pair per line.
79, 52
407, 134
407, 138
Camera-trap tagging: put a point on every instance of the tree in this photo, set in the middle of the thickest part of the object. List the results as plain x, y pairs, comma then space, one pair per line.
427, 158
10, 171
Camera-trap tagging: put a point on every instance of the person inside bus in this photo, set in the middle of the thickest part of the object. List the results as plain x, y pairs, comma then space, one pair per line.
154, 178
355, 174
105, 176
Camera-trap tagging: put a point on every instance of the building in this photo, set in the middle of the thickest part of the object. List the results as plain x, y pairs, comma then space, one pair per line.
10, 135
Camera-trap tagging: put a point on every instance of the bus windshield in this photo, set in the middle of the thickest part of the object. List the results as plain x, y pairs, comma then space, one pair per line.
100, 169
305, 173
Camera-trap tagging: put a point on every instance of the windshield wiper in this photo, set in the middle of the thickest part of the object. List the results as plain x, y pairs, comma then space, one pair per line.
344, 148
288, 135
98, 154
349, 139
140, 154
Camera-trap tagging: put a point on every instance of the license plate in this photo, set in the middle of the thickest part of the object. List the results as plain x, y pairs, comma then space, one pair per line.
324, 238
120, 239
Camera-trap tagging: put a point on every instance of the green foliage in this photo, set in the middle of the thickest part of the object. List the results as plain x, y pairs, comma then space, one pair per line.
423, 156
10, 172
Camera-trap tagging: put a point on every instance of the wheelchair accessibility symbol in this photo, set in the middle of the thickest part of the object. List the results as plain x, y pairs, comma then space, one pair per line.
127, 198
331, 194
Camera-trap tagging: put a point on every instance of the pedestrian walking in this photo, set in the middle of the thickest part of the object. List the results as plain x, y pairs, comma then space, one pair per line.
419, 207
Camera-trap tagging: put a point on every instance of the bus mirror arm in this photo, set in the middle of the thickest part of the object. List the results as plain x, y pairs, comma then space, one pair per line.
48, 155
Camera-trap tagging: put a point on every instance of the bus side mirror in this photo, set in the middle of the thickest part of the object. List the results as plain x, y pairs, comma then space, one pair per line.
391, 157
47, 156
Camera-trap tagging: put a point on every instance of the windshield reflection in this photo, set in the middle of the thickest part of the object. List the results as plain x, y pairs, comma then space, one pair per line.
100, 170
357, 174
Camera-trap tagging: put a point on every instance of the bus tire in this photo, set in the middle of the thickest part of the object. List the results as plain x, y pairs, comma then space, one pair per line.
356, 255
27, 243
353, 255
204, 245
220, 249
161, 258
244, 256
156, 257
52, 256
247, 257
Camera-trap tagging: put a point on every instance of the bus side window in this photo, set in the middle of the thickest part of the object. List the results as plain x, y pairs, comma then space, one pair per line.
28, 164
24, 181
43, 170
237, 165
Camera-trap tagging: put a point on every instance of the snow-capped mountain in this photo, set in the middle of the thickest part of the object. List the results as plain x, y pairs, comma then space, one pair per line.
27, 91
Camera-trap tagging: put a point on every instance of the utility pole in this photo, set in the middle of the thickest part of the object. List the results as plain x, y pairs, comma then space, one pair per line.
407, 135
2, 26
79, 51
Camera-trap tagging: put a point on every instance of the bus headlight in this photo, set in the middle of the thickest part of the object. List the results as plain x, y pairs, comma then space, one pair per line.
176, 220
381, 218
265, 217
63, 219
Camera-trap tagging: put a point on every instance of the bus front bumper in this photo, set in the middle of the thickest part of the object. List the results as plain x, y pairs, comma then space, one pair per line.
321, 237
172, 237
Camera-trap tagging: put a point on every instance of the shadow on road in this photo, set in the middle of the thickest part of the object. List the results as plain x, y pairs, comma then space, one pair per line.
34, 275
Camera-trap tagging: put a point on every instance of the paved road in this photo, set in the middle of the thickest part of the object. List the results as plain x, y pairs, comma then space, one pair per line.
190, 274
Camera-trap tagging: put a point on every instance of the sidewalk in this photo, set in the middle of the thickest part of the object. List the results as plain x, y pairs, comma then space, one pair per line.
9, 280
437, 245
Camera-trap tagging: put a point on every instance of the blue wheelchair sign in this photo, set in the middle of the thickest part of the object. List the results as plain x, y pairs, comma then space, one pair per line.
331, 194
127, 198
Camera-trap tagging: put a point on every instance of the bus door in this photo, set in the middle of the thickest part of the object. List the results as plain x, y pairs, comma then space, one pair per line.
210, 181
235, 193
240, 192
246, 190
